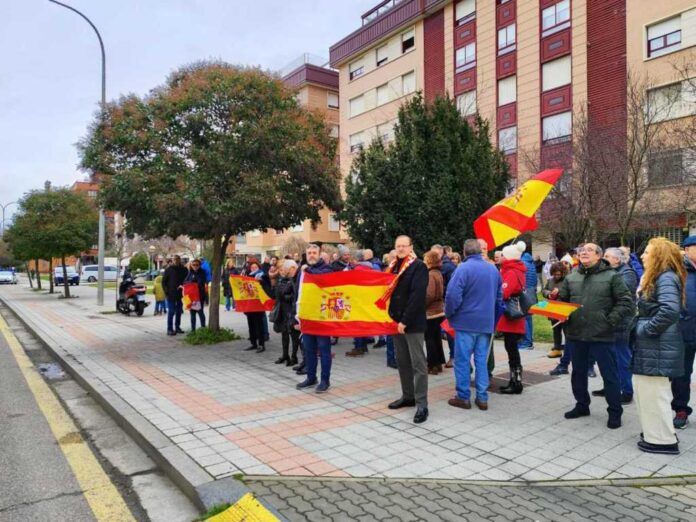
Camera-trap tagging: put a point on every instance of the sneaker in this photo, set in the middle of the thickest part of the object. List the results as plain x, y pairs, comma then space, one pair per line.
392, 365
559, 370
379, 344
555, 353
614, 423
662, 449
526, 346
591, 373
322, 388
306, 384
681, 420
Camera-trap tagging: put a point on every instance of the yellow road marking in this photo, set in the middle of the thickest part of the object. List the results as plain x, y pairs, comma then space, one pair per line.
246, 509
101, 495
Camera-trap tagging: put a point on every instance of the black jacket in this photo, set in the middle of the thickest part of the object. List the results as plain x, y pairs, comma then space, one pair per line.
407, 303
688, 317
226, 287
284, 294
658, 347
172, 279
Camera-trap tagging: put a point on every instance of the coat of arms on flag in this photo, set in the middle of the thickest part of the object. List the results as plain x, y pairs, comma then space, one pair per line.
249, 295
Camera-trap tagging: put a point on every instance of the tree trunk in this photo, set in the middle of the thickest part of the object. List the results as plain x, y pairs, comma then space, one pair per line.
38, 274
216, 269
66, 284
50, 276
26, 267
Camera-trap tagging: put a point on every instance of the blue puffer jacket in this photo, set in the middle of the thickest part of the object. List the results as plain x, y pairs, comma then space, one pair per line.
531, 277
658, 347
448, 267
631, 279
688, 317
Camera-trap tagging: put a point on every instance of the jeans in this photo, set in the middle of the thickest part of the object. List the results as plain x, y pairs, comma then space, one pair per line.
605, 355
623, 361
160, 306
466, 344
527, 340
391, 355
320, 344
451, 344
413, 370
681, 386
174, 310
360, 343
228, 303
200, 313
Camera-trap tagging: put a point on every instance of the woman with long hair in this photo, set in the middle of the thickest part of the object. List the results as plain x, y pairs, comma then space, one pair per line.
434, 312
658, 352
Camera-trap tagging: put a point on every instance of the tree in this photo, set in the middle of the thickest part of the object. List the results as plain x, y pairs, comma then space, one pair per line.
215, 151
431, 183
139, 261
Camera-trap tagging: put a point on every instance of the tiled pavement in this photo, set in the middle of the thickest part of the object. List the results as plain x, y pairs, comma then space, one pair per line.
237, 412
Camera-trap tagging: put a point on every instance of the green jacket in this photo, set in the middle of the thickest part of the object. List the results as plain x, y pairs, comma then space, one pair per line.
605, 299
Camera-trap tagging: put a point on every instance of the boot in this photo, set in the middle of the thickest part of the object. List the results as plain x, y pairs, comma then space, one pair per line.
508, 387
515, 386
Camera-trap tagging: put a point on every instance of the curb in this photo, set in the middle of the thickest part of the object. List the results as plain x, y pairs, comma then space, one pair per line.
196, 483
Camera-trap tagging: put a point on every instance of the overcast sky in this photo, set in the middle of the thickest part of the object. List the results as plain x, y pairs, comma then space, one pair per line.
50, 68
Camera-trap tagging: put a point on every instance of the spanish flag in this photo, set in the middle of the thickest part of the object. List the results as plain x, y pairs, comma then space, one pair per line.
249, 296
344, 304
190, 294
558, 310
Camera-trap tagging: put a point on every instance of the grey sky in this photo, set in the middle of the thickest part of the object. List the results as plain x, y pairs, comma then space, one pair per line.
49, 68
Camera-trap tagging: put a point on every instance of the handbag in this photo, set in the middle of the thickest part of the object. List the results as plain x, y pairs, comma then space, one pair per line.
517, 306
275, 312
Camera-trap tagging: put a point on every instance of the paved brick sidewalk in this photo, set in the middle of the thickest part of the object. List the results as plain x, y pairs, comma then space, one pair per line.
237, 412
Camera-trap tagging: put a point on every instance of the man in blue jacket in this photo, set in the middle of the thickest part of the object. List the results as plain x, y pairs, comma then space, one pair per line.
527, 341
681, 387
474, 299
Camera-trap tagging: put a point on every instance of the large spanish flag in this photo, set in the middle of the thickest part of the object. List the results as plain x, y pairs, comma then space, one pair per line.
558, 310
190, 293
249, 296
515, 214
344, 304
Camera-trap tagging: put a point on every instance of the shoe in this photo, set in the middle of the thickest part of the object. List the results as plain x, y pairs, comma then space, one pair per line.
420, 416
306, 384
282, 360
179, 331
626, 398
526, 347
266, 338
598, 393
380, 344
292, 361
559, 370
171, 332
301, 371
432, 371
449, 364
460, 403
555, 353
251, 348
299, 366
370, 340
322, 388
393, 365
591, 373
355, 352
614, 423
289, 362
482, 405
401, 403
334, 341
681, 420
261, 349
515, 386
576, 413
663, 449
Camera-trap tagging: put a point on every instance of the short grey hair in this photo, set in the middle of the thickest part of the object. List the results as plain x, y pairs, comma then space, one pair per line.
436, 246
288, 264
312, 246
472, 247
617, 253
359, 255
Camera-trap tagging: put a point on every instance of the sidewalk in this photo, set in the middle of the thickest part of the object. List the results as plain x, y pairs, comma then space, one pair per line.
234, 412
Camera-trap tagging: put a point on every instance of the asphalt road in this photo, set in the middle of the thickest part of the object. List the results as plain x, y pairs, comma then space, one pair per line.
36, 482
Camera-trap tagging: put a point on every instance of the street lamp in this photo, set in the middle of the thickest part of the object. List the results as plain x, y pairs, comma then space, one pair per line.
101, 244
3, 214
150, 259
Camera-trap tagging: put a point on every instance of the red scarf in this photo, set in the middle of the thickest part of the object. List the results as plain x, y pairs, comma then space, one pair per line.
382, 301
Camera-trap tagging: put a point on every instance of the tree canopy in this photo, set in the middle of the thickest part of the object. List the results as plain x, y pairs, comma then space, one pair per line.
439, 174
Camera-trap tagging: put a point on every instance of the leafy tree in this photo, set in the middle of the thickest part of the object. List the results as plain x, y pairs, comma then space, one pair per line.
139, 261
431, 183
216, 151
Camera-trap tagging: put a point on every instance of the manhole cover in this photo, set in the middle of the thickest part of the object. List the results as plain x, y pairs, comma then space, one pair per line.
51, 371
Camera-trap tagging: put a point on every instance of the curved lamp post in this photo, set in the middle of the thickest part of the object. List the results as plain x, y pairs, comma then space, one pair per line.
3, 215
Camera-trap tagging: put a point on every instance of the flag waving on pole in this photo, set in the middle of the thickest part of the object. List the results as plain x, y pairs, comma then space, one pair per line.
249, 295
344, 304
515, 214
558, 310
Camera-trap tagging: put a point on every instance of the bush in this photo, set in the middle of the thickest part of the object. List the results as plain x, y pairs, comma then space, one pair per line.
139, 261
215, 510
207, 336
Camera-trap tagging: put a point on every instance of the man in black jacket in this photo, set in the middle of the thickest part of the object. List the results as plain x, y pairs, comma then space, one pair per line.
174, 276
407, 309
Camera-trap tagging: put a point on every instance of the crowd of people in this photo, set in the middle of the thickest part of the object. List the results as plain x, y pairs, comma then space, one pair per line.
636, 321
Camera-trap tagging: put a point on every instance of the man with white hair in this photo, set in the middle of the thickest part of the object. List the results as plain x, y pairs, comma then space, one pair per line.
343, 262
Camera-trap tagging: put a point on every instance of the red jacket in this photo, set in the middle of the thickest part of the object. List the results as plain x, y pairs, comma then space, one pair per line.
513, 273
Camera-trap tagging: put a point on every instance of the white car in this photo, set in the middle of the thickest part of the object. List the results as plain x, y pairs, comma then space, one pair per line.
7, 277
89, 273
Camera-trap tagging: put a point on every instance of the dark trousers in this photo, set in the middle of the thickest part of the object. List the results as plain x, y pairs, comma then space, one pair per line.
174, 310
433, 343
285, 338
681, 386
255, 324
391, 354
200, 313
317, 345
558, 332
604, 354
512, 341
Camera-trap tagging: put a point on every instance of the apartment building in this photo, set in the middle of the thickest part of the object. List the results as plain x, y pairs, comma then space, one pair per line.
527, 66
317, 88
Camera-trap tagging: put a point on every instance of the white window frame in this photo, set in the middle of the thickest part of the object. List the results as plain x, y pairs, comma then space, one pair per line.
507, 90
559, 13
356, 69
468, 53
382, 94
464, 11
554, 128
507, 39
356, 106
334, 131
330, 96
507, 140
356, 142
334, 225
408, 35
550, 77
382, 55
667, 34
466, 103
410, 79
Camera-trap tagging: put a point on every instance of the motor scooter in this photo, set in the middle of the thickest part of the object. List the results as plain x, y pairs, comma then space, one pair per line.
131, 297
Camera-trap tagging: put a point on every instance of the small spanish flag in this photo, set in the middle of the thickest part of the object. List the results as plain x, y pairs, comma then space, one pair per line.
190, 294
249, 295
554, 309
344, 304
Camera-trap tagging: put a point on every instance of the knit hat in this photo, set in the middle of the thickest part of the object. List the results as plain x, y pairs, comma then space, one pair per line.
515, 250
343, 250
567, 259
689, 241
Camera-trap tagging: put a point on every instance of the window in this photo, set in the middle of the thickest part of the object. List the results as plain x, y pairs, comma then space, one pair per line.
382, 55
332, 100
465, 11
383, 94
92, 193
334, 224
408, 83
506, 39
408, 40
357, 105
507, 140
668, 168
466, 103
333, 131
664, 37
557, 128
672, 101
507, 90
466, 57
356, 142
385, 132
555, 18
356, 69
555, 73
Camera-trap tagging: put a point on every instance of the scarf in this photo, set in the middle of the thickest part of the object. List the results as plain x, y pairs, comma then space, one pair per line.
382, 301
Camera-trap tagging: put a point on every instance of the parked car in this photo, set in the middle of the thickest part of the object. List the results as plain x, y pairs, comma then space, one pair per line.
73, 276
89, 273
147, 276
7, 277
